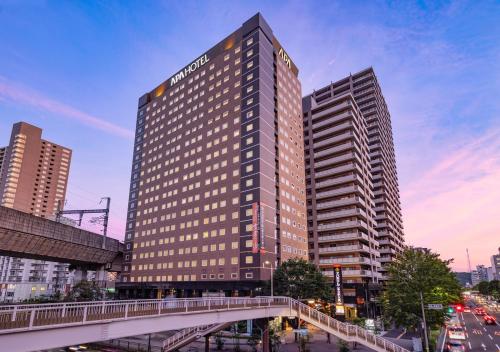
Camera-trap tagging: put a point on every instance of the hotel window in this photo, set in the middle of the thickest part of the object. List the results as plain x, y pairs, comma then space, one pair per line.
250, 64
250, 41
249, 275
249, 259
249, 53
250, 77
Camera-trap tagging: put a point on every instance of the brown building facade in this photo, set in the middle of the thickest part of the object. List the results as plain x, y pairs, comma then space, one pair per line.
217, 193
34, 172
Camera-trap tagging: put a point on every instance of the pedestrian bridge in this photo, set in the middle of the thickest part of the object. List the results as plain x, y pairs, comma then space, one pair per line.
45, 326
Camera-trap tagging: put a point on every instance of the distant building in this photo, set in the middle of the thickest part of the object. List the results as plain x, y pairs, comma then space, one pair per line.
33, 179
479, 275
490, 275
495, 265
464, 278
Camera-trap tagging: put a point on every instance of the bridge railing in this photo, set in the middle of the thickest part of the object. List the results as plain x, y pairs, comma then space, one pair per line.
27, 317
349, 331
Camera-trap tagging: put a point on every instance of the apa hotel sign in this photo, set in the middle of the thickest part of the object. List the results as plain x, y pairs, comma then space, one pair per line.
179, 76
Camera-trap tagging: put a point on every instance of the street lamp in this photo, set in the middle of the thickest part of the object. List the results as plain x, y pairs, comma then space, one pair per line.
267, 262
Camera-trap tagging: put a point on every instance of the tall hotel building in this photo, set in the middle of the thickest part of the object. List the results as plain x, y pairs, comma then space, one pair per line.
354, 215
217, 191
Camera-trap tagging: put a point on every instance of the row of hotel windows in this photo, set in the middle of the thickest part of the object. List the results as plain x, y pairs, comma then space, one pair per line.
185, 277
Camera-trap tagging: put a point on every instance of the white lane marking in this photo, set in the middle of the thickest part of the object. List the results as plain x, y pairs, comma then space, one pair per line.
491, 337
470, 347
498, 348
444, 338
484, 329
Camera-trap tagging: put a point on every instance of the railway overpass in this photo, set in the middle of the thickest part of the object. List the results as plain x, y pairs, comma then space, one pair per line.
27, 236
44, 326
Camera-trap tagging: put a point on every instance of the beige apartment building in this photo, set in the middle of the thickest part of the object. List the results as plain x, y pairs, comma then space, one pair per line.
34, 172
33, 178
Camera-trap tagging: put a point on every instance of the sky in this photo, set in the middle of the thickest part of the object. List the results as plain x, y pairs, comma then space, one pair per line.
77, 68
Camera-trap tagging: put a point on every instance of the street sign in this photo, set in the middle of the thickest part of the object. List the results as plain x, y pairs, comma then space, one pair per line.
300, 331
435, 306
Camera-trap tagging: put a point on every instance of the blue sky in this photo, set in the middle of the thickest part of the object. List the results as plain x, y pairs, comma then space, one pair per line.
76, 69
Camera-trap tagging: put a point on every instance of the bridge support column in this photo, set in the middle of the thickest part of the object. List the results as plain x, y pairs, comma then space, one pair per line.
263, 325
207, 343
79, 275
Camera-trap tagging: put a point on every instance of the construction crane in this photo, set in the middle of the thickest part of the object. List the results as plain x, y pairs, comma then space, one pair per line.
81, 212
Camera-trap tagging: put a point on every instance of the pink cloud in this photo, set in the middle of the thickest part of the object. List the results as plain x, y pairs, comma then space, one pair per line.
455, 205
22, 95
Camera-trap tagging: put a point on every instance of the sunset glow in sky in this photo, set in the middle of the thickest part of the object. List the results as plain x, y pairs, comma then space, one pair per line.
76, 69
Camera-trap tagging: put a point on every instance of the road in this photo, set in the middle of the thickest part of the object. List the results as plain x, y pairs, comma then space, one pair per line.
480, 337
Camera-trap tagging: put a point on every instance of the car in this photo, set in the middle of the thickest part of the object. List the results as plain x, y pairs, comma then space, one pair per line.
455, 346
466, 309
456, 333
479, 311
489, 320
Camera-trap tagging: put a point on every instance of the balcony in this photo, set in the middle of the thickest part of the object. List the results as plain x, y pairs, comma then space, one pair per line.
343, 237
331, 110
341, 202
338, 180
350, 260
342, 214
336, 160
338, 169
345, 249
334, 129
338, 148
342, 225
353, 273
335, 139
339, 191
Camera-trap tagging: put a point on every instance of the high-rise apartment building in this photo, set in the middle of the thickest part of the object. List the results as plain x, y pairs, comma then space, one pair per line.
495, 265
34, 172
339, 191
368, 95
33, 178
217, 192
354, 212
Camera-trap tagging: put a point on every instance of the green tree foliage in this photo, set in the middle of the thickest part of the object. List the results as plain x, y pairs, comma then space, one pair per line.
85, 291
413, 272
491, 288
300, 279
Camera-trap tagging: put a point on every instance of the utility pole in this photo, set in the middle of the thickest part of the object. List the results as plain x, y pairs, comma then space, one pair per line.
425, 323
81, 212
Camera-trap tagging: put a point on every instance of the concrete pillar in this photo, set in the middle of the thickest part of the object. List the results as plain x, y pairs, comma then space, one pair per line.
79, 275
265, 339
249, 326
207, 343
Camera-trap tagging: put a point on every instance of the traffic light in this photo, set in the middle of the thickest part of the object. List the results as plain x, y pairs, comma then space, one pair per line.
450, 309
460, 308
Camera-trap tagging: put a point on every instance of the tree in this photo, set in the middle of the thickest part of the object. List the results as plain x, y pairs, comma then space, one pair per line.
85, 291
300, 279
491, 288
413, 272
